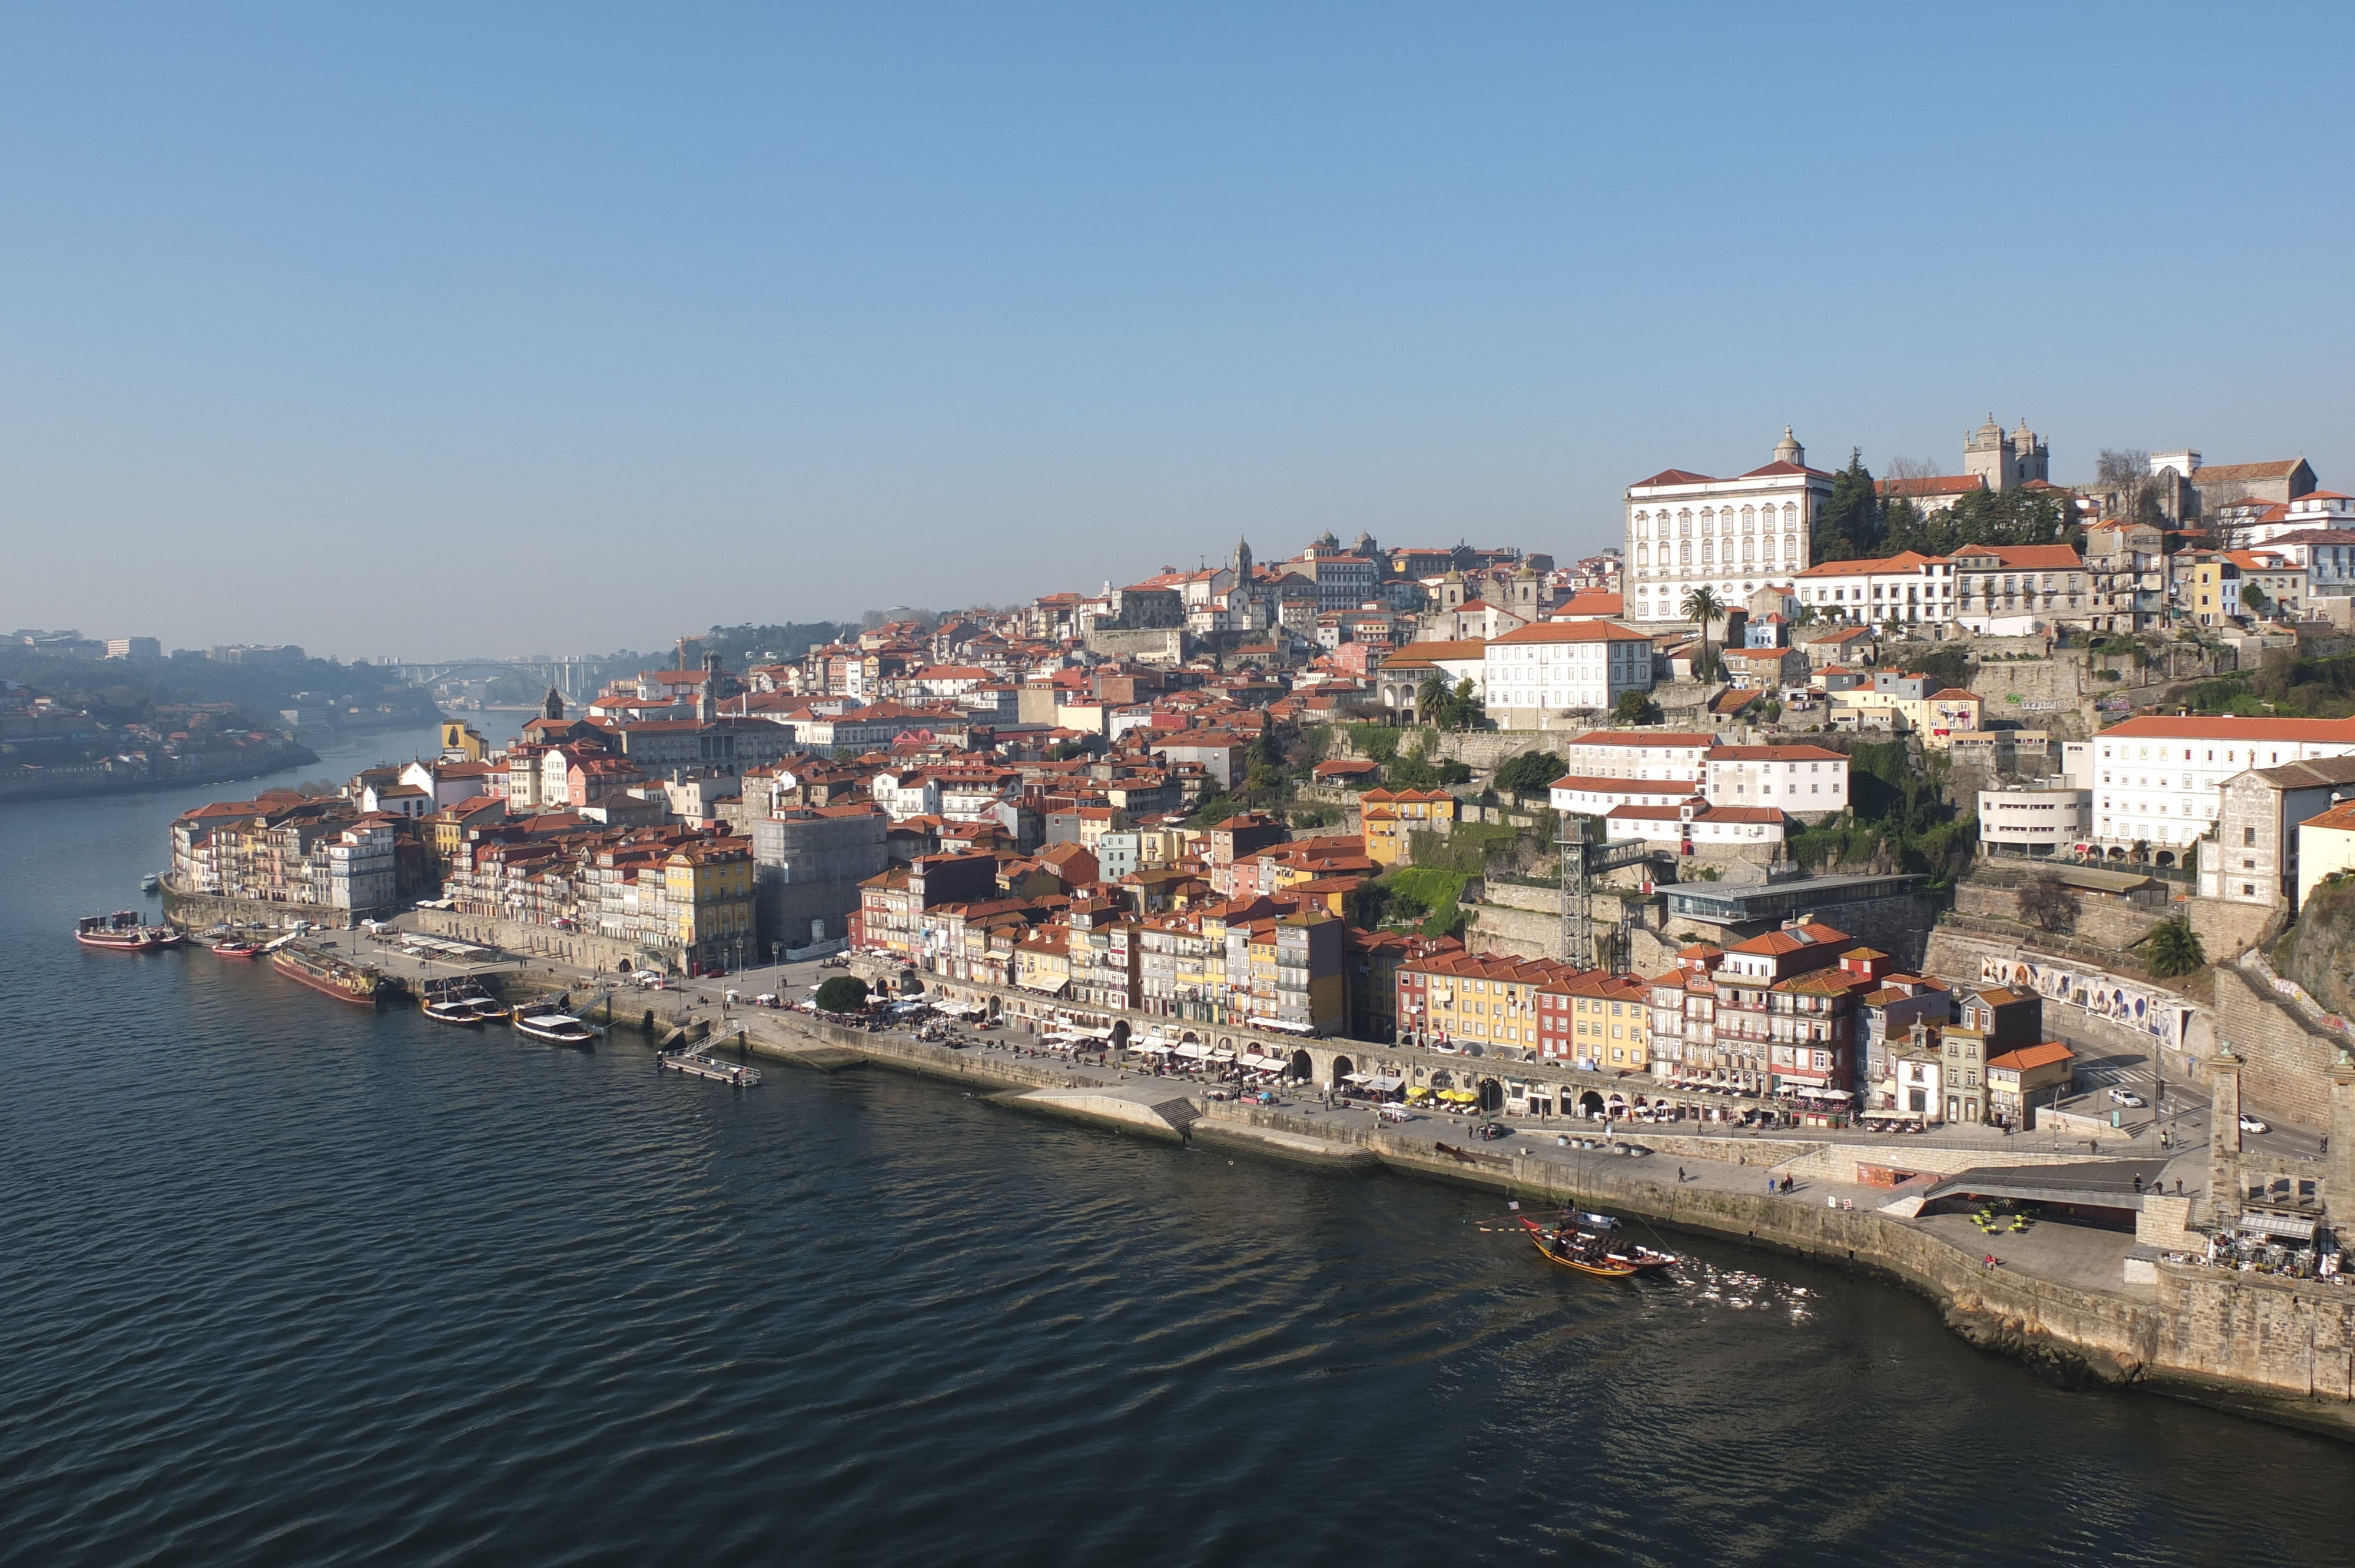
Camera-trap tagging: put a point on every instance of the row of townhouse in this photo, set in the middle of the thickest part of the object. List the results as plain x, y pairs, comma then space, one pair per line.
330, 852
683, 899
1798, 1013
1541, 1007
1986, 589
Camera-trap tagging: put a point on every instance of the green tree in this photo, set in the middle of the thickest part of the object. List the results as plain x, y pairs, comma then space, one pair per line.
1700, 604
1636, 707
2173, 948
842, 993
1530, 772
1848, 528
2253, 597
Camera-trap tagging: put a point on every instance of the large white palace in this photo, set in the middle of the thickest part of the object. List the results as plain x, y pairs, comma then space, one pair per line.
1732, 535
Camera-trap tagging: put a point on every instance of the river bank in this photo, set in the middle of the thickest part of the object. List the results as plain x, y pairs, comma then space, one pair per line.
2196, 1334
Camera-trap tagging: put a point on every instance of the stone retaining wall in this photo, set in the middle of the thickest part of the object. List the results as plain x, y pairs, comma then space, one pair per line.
2281, 1351
601, 954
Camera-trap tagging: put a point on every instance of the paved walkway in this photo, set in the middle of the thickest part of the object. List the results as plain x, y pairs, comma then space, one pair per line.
2073, 1254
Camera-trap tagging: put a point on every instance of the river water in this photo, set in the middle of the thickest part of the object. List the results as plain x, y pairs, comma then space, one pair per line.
288, 1283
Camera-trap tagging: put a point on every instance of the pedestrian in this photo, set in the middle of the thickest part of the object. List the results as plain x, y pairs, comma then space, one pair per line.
1680, 1173
1770, 1186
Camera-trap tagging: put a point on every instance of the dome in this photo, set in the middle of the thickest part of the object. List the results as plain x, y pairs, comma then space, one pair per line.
1788, 449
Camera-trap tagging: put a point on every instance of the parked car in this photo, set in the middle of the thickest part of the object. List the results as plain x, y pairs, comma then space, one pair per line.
2254, 1123
2124, 1098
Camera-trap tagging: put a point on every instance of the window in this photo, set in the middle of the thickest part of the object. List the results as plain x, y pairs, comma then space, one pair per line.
2248, 837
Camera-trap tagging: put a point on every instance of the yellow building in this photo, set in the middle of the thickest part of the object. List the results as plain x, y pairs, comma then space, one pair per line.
1042, 963
2212, 592
1390, 816
461, 739
707, 893
1609, 1019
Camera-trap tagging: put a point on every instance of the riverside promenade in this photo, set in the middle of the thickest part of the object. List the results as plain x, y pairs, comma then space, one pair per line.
2055, 1296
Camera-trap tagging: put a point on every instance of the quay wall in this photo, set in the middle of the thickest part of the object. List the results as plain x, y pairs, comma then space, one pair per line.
2282, 1352
197, 910
601, 954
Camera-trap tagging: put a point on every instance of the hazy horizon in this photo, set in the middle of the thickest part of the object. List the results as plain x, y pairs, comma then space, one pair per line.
455, 330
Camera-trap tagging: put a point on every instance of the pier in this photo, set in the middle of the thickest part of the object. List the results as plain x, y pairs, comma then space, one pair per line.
695, 1064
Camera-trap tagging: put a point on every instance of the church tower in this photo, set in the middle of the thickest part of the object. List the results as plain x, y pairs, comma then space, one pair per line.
552, 709
1243, 562
707, 697
1789, 451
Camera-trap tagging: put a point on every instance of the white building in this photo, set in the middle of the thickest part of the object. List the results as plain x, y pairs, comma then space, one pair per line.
2315, 509
2158, 780
904, 793
1914, 588
1637, 754
1801, 780
1695, 822
1687, 530
2010, 590
1556, 666
1600, 797
2021, 821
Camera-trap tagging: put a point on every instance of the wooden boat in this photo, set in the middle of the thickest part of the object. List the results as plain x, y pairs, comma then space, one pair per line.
555, 1028
236, 948
125, 932
1605, 1232
1642, 1259
461, 1013
1573, 1250
331, 976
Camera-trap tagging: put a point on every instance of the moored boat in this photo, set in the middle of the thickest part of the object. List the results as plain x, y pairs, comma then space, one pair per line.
330, 976
151, 883
1573, 1249
1606, 1233
555, 1028
462, 1013
236, 948
124, 931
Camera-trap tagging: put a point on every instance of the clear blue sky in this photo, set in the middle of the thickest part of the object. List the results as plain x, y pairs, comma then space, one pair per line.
421, 329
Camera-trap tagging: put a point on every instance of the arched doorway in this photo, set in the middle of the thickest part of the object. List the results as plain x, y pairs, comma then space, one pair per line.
1590, 1103
1303, 1067
1119, 1034
992, 1007
1342, 1068
1492, 1096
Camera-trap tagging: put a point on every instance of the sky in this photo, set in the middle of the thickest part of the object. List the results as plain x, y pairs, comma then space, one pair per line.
423, 330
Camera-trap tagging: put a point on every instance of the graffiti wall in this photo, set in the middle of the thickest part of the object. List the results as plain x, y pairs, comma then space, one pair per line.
2161, 1014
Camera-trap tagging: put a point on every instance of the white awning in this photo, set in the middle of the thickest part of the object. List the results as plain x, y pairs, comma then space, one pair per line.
1157, 1047
1357, 1078
1258, 1062
1385, 1086
1222, 1055
1194, 1052
2297, 1227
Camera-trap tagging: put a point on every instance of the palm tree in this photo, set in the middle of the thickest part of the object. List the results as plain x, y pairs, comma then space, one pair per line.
2173, 948
1700, 604
1430, 699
